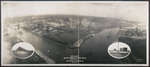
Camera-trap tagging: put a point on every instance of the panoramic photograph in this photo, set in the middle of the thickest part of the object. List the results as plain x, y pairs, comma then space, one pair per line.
76, 33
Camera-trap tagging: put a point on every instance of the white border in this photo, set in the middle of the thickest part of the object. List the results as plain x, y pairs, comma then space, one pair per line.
147, 64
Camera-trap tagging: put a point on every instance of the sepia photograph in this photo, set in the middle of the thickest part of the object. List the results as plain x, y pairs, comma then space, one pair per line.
74, 33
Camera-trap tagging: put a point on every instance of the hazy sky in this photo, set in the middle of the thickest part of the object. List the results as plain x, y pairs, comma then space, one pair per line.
134, 11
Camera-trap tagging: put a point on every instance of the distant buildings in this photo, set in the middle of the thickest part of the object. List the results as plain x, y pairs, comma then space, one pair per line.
124, 49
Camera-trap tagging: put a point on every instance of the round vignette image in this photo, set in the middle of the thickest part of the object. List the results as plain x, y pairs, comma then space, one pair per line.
119, 50
22, 50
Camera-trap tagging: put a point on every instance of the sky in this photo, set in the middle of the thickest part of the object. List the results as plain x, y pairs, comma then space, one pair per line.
133, 11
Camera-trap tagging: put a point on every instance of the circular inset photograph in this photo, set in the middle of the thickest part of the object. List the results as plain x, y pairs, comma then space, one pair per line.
119, 50
23, 50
